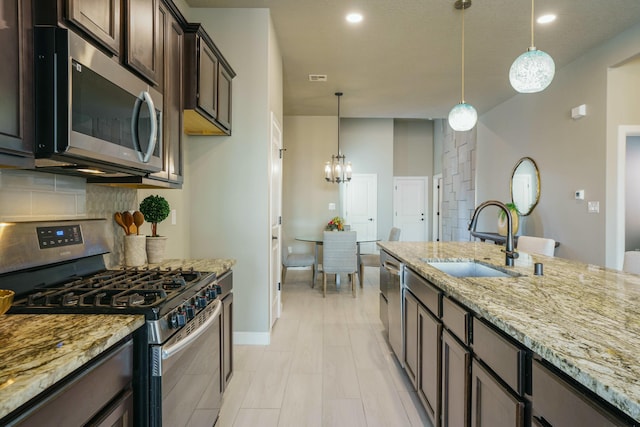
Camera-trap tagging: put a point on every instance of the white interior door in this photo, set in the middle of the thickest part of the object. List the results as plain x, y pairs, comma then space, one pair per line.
275, 218
436, 230
360, 208
410, 214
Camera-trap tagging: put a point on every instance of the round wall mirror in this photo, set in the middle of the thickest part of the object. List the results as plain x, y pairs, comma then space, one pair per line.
525, 185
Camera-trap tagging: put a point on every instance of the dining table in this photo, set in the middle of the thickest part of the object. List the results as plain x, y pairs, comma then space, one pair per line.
318, 239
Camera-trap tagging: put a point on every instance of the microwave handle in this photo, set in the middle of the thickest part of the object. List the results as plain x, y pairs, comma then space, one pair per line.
146, 98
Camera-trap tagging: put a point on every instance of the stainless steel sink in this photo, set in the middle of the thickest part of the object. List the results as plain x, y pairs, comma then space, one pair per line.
471, 269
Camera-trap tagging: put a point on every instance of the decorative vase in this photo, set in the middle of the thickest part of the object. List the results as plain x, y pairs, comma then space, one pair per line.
502, 222
155, 249
135, 254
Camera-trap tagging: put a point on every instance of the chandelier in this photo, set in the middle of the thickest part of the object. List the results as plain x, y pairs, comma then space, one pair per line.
532, 71
338, 170
463, 116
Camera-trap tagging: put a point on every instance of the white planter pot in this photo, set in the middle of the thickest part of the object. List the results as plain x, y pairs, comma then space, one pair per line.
155, 249
135, 253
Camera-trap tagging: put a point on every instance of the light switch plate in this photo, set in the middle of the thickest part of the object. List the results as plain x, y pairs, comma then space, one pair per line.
593, 207
332, 206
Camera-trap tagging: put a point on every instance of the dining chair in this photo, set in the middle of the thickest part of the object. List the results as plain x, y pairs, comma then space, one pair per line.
373, 260
302, 259
631, 262
536, 245
339, 255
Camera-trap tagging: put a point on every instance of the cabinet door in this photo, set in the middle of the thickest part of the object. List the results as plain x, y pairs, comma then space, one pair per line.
456, 364
224, 98
429, 378
173, 36
491, 404
207, 79
411, 337
227, 340
99, 18
16, 84
145, 39
558, 403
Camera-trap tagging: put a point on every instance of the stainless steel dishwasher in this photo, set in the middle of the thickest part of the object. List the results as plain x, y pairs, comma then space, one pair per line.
391, 272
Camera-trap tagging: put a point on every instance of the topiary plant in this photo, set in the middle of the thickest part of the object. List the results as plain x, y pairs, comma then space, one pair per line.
155, 209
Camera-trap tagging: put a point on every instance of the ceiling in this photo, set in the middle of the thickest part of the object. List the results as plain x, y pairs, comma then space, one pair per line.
404, 59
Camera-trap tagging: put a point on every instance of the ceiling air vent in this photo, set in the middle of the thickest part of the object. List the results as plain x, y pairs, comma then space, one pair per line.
317, 77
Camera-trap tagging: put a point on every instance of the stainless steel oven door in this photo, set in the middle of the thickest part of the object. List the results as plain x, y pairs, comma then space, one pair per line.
188, 366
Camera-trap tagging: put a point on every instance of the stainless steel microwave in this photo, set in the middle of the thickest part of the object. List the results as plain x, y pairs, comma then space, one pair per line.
93, 116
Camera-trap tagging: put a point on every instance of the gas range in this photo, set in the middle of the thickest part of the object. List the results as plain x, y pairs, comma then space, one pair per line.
80, 283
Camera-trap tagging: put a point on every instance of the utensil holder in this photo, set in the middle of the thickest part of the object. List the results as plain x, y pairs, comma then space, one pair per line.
135, 253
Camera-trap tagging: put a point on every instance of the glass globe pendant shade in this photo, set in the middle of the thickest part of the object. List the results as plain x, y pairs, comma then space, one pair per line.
463, 117
532, 71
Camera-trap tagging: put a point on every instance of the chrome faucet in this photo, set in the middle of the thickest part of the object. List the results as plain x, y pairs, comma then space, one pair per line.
510, 253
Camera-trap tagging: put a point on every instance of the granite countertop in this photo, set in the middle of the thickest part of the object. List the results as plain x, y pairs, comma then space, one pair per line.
582, 318
39, 350
216, 265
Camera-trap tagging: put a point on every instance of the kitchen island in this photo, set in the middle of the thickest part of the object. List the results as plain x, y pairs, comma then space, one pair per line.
37, 351
583, 319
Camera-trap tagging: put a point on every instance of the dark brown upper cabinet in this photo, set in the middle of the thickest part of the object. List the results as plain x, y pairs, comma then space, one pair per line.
16, 85
207, 85
145, 39
98, 18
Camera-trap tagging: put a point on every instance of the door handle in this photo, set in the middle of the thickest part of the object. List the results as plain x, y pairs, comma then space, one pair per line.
153, 121
274, 237
370, 219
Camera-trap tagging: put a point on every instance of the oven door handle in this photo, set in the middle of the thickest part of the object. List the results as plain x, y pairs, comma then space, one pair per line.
182, 344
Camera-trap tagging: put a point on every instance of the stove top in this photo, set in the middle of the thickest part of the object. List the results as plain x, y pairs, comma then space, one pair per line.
130, 290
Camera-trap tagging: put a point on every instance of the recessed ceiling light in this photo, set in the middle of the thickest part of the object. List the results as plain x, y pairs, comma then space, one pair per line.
545, 19
354, 18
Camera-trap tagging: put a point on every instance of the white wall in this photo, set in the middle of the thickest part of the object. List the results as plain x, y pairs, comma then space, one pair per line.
571, 154
225, 198
368, 144
309, 141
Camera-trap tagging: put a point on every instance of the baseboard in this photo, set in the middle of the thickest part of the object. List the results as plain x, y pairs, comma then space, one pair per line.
251, 338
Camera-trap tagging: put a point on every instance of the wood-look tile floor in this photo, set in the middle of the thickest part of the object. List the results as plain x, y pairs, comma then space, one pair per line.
328, 364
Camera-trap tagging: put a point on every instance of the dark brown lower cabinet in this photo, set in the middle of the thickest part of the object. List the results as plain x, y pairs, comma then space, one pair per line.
493, 405
428, 383
411, 337
557, 403
456, 365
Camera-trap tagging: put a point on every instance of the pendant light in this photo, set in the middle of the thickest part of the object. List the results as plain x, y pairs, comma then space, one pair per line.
463, 116
337, 170
532, 71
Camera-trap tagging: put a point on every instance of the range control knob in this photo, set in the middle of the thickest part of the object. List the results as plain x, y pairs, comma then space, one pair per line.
219, 289
191, 311
201, 301
173, 321
181, 318
211, 293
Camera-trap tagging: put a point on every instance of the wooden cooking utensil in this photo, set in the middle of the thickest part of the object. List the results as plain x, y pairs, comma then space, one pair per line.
127, 218
118, 218
138, 220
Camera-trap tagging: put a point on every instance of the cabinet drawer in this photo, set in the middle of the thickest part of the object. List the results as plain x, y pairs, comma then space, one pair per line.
558, 403
426, 293
456, 319
498, 353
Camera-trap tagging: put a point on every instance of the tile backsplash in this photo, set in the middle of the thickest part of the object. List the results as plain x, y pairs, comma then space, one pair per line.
35, 196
